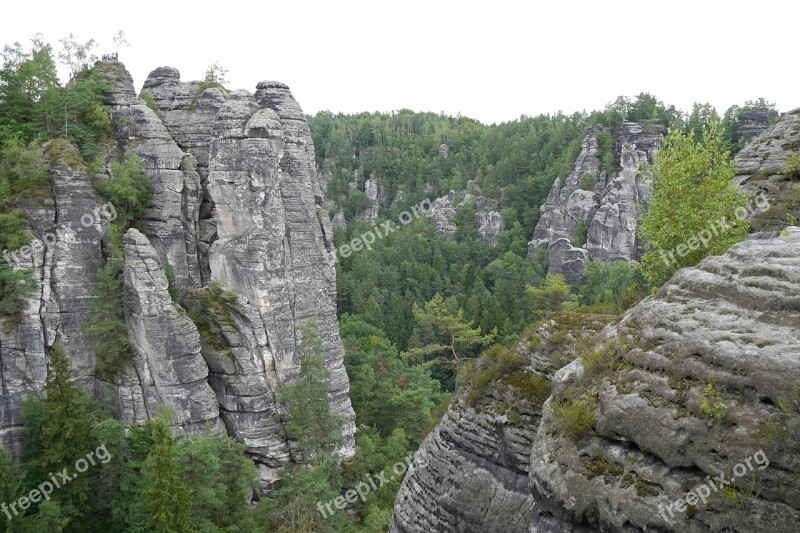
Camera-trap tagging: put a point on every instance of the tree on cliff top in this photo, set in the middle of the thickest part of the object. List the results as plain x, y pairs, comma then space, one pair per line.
692, 214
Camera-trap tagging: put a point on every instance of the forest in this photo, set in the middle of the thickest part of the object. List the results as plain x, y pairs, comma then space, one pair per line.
413, 310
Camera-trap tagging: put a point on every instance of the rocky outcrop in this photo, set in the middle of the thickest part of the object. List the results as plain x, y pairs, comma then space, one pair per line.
372, 189
761, 170
236, 209
471, 472
65, 255
688, 384
592, 214
166, 347
751, 123
488, 220
696, 384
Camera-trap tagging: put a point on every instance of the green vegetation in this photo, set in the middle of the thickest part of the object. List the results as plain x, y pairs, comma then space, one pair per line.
500, 364
613, 285
140, 480
692, 189
712, 403
792, 167
577, 416
148, 99
553, 297
167, 498
443, 330
607, 153
209, 309
107, 327
588, 182
172, 284
581, 231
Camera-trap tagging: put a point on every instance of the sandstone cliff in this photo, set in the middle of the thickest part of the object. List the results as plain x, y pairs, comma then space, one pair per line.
601, 204
235, 209
686, 386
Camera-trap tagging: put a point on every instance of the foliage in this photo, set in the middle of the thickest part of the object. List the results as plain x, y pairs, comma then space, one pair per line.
209, 309
387, 392
60, 427
318, 432
577, 416
692, 189
712, 404
792, 167
497, 363
215, 76
106, 325
150, 102
166, 495
553, 297
77, 56
129, 191
606, 283
581, 231
222, 480
607, 153
445, 331
172, 284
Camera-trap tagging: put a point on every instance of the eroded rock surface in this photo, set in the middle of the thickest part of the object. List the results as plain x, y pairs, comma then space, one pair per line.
761, 169
594, 215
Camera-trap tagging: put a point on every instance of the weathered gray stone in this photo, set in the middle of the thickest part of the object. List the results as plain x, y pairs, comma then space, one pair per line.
70, 226
165, 344
760, 171
733, 321
611, 210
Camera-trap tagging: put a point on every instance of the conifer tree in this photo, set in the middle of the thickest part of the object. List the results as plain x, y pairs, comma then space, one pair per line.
167, 498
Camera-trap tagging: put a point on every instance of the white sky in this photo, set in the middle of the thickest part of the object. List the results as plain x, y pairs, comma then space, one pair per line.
494, 62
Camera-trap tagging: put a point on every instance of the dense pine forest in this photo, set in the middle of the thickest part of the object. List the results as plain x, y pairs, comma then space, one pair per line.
415, 311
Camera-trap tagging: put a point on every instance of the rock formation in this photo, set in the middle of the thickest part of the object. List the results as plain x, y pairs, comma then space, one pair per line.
488, 220
761, 170
592, 214
236, 208
71, 226
696, 384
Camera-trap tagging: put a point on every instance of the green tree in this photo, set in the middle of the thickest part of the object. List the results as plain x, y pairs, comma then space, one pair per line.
223, 480
318, 434
106, 326
553, 297
66, 435
8, 484
453, 334
167, 499
317, 431
693, 192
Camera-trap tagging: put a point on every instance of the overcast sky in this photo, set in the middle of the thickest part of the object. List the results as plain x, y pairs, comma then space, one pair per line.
493, 63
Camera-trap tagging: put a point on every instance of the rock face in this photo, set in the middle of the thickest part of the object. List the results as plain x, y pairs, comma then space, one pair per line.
236, 209
752, 122
71, 226
166, 346
594, 215
471, 472
372, 189
761, 169
655, 382
700, 380
488, 220
682, 415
